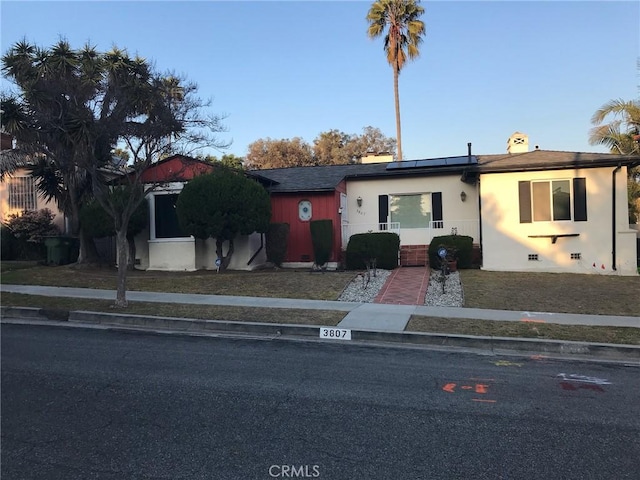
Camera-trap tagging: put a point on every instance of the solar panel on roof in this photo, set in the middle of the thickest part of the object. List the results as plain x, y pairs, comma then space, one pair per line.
401, 165
433, 163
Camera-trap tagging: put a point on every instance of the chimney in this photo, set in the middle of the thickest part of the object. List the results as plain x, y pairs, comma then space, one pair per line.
378, 157
518, 143
469, 152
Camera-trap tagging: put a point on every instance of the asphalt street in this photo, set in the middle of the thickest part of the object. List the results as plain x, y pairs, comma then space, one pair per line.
89, 404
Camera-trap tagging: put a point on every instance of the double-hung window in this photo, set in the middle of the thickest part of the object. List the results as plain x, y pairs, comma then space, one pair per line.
553, 200
22, 193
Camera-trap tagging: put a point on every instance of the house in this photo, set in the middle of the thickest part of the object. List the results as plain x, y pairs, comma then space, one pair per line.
545, 211
403, 197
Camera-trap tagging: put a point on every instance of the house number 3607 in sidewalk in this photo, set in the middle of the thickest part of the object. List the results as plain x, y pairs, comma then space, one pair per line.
335, 333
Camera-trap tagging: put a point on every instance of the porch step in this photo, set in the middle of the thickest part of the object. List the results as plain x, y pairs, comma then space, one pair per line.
414, 255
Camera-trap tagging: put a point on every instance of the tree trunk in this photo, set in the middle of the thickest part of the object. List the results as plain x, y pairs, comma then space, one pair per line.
123, 248
397, 97
225, 260
131, 263
88, 247
73, 211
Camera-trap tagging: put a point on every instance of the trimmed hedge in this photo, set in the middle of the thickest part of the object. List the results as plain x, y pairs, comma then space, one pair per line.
384, 246
322, 239
461, 243
277, 238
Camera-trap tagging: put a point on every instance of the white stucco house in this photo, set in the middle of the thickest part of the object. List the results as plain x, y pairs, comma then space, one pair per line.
538, 211
552, 211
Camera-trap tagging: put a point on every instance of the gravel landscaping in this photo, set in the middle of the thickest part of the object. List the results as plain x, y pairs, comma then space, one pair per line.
453, 295
356, 291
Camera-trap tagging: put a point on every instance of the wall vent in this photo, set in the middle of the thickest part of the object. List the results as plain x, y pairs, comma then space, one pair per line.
305, 258
576, 256
533, 257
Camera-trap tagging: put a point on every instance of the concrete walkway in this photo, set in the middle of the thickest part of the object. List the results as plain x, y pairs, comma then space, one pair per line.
362, 316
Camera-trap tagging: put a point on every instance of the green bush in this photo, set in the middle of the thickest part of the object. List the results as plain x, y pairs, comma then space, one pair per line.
14, 248
277, 237
33, 225
8, 243
462, 245
24, 234
322, 239
383, 246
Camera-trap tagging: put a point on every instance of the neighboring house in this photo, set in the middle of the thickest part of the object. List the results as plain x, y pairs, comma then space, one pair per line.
18, 191
550, 211
164, 246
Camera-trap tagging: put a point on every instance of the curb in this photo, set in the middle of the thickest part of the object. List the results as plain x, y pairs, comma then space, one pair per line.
185, 325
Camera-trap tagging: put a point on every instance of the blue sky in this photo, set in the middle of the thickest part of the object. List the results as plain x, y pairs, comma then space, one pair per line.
298, 68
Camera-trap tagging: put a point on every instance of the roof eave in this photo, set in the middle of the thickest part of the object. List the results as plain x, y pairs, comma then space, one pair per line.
557, 166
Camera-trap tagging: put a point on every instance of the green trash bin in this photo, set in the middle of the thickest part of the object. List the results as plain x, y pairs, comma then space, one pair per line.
60, 250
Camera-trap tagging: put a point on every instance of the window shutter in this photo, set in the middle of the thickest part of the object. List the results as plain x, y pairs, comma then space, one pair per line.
580, 199
524, 195
383, 210
436, 207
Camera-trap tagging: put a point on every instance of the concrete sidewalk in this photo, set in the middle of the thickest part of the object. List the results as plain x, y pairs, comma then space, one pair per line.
361, 316
368, 322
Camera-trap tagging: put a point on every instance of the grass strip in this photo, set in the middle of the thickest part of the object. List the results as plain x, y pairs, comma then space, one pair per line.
179, 310
547, 331
282, 283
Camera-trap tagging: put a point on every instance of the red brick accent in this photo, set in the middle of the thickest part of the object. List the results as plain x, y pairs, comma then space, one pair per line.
414, 255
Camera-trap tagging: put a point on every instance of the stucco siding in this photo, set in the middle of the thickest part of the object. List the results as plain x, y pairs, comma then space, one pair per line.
458, 215
177, 254
6, 211
510, 245
245, 247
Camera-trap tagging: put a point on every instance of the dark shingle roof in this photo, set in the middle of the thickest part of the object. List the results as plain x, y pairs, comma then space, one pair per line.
327, 177
550, 160
314, 179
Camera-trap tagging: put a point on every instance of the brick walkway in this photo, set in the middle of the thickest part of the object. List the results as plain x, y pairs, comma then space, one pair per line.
405, 286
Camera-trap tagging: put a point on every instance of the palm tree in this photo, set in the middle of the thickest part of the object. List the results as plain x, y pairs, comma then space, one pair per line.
621, 134
404, 31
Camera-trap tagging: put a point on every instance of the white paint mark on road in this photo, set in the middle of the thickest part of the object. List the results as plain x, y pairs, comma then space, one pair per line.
583, 378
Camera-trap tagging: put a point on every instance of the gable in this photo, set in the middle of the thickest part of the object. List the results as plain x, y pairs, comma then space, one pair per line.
177, 168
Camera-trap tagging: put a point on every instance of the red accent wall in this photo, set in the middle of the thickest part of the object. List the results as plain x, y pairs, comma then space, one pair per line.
175, 169
324, 205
